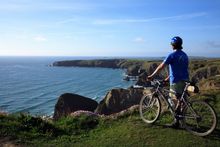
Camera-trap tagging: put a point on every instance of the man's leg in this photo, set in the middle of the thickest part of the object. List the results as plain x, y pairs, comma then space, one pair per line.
178, 89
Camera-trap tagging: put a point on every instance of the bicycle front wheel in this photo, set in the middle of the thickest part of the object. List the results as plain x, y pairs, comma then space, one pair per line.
149, 108
199, 118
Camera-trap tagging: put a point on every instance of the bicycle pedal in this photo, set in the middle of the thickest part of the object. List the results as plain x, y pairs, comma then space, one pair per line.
179, 117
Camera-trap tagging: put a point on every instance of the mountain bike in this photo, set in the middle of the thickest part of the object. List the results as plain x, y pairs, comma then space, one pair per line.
197, 116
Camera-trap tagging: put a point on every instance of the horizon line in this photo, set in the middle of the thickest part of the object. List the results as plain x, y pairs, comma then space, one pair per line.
104, 56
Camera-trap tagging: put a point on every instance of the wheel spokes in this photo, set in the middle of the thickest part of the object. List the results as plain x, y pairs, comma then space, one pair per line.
149, 109
199, 118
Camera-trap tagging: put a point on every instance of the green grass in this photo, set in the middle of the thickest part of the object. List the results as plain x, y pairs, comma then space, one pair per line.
91, 131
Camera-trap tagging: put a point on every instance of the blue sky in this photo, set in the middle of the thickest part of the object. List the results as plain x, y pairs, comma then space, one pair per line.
108, 27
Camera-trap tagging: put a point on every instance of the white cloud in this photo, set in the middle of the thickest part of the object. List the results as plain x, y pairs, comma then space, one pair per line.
139, 40
40, 38
170, 18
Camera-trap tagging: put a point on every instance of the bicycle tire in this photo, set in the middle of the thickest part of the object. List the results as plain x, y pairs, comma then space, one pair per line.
147, 104
201, 123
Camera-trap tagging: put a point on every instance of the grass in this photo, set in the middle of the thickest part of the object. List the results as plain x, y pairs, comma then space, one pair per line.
27, 130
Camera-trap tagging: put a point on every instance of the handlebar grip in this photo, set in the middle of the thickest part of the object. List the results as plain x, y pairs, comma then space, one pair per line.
137, 86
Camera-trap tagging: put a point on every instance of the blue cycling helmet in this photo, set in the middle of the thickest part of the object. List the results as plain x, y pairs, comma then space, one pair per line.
177, 42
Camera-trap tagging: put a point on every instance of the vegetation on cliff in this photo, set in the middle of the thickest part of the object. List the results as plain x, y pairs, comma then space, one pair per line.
87, 130
126, 130
199, 69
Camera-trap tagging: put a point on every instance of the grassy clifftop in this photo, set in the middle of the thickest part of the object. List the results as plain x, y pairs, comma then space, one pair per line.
194, 66
129, 130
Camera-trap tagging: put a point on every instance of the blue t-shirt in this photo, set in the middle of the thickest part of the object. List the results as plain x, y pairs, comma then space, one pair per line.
178, 66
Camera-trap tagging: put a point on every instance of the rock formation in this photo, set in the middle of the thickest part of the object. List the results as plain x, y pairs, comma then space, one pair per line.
108, 63
119, 99
205, 73
69, 103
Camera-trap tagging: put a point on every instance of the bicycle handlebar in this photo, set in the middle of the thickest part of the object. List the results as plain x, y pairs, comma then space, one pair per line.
154, 83
159, 83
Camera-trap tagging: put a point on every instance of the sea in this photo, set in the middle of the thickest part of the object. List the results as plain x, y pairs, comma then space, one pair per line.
32, 85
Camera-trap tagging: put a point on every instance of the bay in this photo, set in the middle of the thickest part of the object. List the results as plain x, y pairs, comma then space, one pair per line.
29, 84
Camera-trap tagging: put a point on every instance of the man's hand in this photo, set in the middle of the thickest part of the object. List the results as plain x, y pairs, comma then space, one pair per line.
149, 78
160, 67
165, 82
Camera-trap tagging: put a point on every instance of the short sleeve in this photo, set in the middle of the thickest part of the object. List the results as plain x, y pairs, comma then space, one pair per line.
168, 59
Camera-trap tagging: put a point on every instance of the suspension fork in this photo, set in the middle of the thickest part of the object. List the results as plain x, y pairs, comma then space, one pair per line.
151, 100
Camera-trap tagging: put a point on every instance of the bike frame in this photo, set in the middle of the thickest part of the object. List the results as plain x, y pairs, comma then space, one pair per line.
160, 92
191, 118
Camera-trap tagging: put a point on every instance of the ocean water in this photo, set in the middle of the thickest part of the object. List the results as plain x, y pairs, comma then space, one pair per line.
28, 84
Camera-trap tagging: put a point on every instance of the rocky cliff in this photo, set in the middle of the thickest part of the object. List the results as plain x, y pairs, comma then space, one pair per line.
133, 67
117, 100
108, 63
205, 72
68, 103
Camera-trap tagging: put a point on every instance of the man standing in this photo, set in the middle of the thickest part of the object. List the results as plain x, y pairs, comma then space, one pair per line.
178, 71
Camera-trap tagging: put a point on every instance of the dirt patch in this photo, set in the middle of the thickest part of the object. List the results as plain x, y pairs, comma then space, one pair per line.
7, 142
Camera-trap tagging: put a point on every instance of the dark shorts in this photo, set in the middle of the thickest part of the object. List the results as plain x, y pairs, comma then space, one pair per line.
177, 88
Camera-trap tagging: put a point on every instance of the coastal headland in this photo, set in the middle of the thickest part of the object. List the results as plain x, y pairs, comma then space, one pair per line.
80, 121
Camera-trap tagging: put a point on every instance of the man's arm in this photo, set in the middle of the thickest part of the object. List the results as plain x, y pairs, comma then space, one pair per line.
167, 78
159, 68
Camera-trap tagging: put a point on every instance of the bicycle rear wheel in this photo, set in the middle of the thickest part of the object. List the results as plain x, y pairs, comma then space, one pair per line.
149, 108
199, 118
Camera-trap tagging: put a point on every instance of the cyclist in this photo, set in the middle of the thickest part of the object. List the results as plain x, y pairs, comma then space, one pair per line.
178, 72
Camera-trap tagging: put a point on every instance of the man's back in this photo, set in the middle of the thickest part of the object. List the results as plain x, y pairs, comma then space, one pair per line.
178, 66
